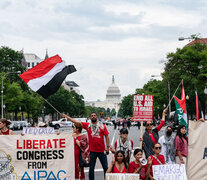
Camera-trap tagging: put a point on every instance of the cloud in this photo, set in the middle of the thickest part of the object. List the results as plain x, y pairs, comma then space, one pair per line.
102, 38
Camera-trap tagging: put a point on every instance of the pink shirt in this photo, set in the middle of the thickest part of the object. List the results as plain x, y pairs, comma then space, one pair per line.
181, 146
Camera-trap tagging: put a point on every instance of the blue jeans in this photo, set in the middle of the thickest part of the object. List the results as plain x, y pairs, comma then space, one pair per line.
103, 159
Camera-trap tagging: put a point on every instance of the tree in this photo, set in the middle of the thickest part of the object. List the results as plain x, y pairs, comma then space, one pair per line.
10, 60
189, 64
126, 106
67, 102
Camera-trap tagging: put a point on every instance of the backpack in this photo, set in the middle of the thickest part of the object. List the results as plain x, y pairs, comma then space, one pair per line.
84, 154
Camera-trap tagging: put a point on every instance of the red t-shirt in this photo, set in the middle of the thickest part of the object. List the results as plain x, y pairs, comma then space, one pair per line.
155, 162
133, 166
96, 142
158, 129
115, 170
5, 133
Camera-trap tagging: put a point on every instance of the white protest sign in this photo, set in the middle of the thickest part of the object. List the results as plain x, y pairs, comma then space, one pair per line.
122, 176
38, 130
29, 157
169, 172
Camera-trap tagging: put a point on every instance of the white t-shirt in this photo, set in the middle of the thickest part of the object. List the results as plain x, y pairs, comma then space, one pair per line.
163, 150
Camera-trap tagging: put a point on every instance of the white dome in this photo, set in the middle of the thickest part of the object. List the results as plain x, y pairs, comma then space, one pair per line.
113, 92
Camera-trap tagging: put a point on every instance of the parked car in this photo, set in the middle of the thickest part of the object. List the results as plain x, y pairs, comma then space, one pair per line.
63, 122
15, 125
109, 122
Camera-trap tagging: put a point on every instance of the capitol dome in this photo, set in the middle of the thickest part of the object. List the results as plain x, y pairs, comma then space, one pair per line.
113, 92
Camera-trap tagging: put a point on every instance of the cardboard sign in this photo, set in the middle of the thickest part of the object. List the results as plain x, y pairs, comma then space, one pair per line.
32, 157
120, 176
142, 107
197, 151
38, 130
169, 172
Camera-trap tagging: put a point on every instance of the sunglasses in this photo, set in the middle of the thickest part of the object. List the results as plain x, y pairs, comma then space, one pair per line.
149, 124
157, 148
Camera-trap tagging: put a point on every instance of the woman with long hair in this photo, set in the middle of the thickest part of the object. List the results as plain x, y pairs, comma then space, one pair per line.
118, 164
4, 127
181, 145
157, 158
79, 138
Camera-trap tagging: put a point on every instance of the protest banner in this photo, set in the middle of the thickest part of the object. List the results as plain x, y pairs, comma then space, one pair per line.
38, 131
169, 172
122, 176
32, 157
197, 151
142, 107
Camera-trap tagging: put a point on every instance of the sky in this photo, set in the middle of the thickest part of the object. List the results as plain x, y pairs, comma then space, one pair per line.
125, 38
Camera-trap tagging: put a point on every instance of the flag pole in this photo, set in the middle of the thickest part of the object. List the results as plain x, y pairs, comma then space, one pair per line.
51, 105
174, 94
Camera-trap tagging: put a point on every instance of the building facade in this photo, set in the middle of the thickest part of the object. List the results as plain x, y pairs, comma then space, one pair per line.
113, 98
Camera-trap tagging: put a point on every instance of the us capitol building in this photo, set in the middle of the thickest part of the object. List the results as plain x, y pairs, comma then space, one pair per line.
113, 98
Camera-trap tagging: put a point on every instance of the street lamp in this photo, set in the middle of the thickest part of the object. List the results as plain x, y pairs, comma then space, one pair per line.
168, 85
191, 38
2, 91
205, 92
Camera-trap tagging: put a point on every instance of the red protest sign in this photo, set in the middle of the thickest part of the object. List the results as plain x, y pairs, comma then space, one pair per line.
142, 107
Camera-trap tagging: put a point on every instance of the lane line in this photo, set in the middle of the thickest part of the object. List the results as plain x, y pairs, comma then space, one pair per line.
112, 141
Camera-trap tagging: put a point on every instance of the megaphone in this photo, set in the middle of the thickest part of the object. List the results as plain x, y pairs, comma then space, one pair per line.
143, 161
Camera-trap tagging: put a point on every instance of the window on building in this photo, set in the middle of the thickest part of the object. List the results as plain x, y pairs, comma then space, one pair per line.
28, 64
32, 64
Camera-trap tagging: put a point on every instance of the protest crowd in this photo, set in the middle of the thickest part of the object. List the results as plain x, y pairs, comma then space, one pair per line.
155, 150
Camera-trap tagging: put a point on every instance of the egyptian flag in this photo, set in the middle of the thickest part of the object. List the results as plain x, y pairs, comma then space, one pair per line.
181, 110
199, 112
46, 77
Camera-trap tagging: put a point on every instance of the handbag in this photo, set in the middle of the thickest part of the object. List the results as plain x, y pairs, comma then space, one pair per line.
84, 153
84, 160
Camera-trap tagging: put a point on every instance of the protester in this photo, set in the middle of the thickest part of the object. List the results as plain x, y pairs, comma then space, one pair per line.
4, 127
181, 145
157, 158
167, 144
137, 167
151, 135
96, 132
124, 144
78, 139
128, 123
118, 164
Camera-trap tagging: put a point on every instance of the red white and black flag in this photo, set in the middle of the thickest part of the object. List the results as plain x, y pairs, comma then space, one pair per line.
46, 77
199, 112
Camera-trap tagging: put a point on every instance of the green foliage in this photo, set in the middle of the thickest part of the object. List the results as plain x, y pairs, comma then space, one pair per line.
126, 106
67, 102
189, 64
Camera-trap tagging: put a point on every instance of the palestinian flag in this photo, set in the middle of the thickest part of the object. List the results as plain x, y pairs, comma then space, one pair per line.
46, 77
199, 112
181, 108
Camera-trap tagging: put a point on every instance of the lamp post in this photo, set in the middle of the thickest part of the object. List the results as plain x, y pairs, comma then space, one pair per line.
205, 92
168, 85
191, 38
2, 91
